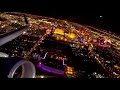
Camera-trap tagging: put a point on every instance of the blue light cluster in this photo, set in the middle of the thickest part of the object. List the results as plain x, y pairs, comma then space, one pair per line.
81, 39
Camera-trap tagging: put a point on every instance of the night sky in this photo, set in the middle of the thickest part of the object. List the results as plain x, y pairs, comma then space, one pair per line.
87, 12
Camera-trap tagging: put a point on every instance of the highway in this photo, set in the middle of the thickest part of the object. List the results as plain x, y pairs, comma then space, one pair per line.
36, 44
104, 32
36, 22
101, 61
115, 40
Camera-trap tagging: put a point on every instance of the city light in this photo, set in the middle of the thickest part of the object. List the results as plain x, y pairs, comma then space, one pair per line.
59, 31
60, 47
42, 77
24, 32
71, 35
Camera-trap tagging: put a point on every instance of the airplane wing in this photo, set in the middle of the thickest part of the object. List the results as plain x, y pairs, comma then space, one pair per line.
13, 34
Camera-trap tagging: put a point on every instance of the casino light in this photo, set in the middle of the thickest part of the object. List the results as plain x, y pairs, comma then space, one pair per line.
59, 31
81, 39
71, 35
57, 38
61, 38
65, 39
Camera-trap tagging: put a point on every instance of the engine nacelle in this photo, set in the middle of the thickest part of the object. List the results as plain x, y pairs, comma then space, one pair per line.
3, 54
9, 67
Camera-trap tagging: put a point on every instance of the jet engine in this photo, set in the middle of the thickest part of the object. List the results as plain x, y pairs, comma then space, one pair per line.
16, 67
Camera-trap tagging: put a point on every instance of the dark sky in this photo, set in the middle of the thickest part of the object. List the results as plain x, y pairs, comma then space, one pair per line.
85, 12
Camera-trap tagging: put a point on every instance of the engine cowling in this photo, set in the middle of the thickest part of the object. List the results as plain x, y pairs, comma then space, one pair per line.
3, 54
10, 65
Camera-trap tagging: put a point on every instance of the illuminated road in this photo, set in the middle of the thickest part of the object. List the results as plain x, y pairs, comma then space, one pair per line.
104, 32
115, 39
36, 44
78, 30
51, 70
101, 61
